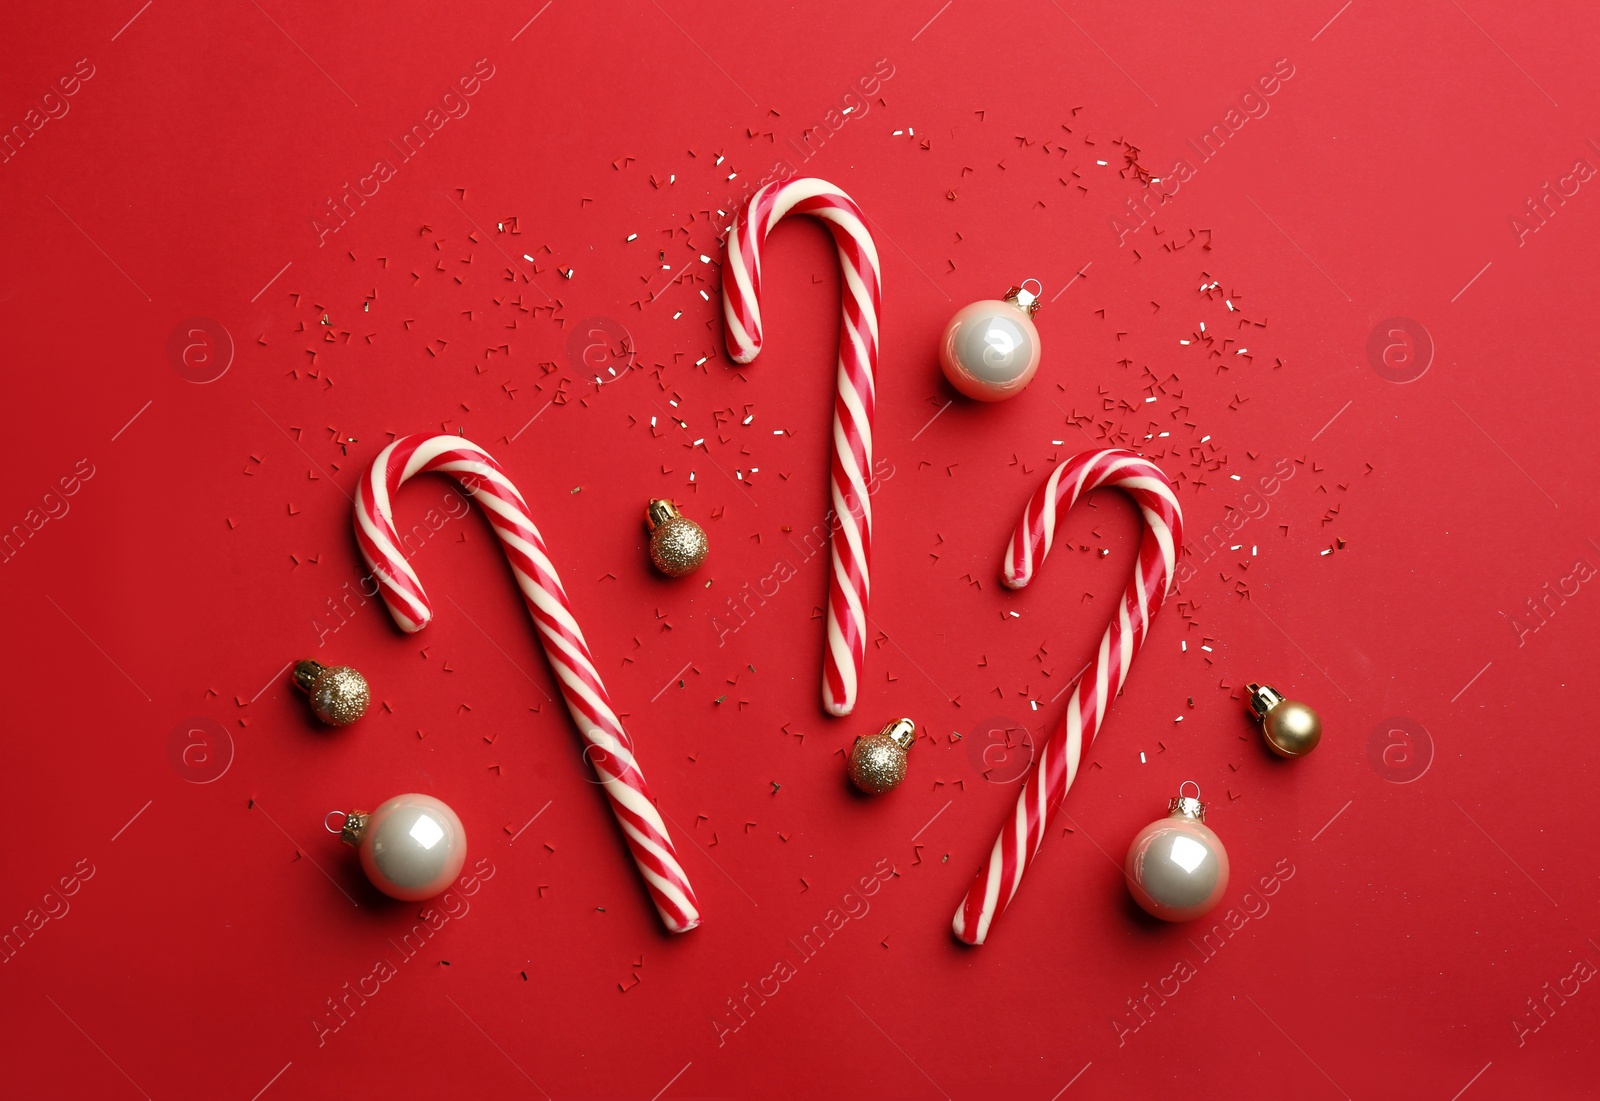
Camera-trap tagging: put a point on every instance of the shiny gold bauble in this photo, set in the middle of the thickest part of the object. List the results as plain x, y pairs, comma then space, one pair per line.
677, 545
338, 693
878, 762
1290, 727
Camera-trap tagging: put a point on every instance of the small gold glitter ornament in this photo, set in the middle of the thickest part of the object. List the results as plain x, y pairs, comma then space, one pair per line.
338, 693
878, 763
1291, 728
677, 544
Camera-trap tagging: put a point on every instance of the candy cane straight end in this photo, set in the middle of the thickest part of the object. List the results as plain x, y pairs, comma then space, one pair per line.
406, 623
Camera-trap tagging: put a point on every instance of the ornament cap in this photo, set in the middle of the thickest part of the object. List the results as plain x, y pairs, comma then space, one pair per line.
902, 732
1024, 299
306, 672
1187, 806
658, 512
354, 828
1263, 698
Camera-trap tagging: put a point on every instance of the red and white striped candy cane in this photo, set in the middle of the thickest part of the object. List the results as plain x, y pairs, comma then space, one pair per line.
1057, 765
610, 750
849, 591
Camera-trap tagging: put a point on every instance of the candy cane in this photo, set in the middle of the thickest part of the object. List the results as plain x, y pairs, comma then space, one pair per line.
851, 545
610, 750
1057, 765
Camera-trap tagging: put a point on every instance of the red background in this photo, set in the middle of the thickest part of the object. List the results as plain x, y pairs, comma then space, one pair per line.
201, 555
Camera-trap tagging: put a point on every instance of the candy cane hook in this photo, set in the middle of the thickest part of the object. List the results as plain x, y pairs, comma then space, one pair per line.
849, 590
610, 750
1093, 692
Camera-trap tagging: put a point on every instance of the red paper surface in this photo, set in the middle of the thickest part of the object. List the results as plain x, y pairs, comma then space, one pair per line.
1425, 924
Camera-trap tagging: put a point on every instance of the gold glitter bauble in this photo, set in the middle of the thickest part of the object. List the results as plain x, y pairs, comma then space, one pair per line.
1290, 727
339, 694
677, 545
878, 763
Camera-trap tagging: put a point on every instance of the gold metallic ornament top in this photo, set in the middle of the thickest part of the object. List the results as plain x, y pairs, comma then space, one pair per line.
1023, 299
339, 695
878, 763
355, 826
677, 544
1291, 728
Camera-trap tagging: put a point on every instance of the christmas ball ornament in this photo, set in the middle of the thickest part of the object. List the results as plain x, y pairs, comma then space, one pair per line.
412, 847
990, 349
1177, 868
878, 763
338, 693
677, 544
1291, 728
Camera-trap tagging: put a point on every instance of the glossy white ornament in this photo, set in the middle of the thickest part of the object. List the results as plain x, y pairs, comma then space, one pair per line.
412, 847
990, 349
1177, 869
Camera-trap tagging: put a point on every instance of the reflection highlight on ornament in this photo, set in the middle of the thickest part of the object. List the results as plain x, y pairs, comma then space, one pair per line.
426, 832
1001, 341
1187, 853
